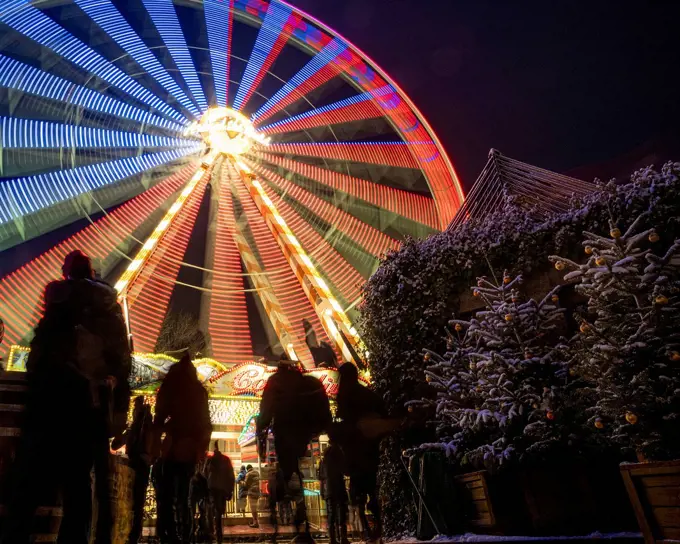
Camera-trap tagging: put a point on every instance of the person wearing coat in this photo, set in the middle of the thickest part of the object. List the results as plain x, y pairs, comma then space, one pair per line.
182, 412
220, 472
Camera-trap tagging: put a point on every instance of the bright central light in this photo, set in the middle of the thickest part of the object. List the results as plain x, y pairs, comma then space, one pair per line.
227, 131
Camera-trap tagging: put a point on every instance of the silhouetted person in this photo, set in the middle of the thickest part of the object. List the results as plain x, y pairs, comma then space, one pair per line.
278, 496
138, 445
183, 414
199, 498
332, 477
364, 421
296, 406
220, 472
78, 397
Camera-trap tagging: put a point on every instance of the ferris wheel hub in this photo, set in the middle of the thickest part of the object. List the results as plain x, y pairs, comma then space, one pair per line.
227, 131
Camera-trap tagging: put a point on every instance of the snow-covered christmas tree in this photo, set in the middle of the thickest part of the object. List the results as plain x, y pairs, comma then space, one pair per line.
499, 388
628, 347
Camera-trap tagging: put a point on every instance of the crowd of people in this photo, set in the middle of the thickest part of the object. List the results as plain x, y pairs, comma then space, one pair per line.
77, 408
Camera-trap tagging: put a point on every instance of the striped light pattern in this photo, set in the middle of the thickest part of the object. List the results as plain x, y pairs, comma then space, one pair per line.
149, 293
313, 74
343, 278
228, 316
111, 21
28, 133
165, 20
396, 154
37, 26
30, 194
415, 207
219, 20
355, 108
149, 246
274, 32
25, 78
21, 291
326, 306
371, 239
284, 282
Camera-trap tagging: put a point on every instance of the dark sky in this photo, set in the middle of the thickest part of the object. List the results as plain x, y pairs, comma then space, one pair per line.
558, 83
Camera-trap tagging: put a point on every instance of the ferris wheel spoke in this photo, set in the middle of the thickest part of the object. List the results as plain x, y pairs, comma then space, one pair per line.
372, 240
21, 291
224, 313
286, 287
342, 276
30, 194
395, 154
277, 26
32, 134
219, 20
111, 21
165, 20
355, 108
27, 79
149, 293
312, 75
415, 207
34, 24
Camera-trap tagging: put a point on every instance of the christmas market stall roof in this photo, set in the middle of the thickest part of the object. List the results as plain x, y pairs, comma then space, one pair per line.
540, 191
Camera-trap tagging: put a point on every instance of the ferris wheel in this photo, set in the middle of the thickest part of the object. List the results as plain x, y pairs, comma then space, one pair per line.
235, 156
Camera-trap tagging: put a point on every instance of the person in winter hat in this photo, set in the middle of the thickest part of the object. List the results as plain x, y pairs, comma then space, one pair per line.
78, 398
242, 499
221, 479
252, 484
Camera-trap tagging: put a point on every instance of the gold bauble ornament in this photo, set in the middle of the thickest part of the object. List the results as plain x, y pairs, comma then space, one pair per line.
600, 261
534, 405
550, 415
475, 293
410, 408
428, 378
675, 356
661, 300
584, 327
427, 357
588, 250
508, 317
560, 265
598, 423
631, 418
555, 299
615, 233
458, 327
473, 366
507, 279
653, 237
572, 372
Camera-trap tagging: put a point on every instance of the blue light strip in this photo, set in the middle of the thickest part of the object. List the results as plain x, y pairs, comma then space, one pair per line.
28, 133
30, 194
22, 77
114, 24
363, 97
316, 63
218, 21
37, 26
272, 27
165, 19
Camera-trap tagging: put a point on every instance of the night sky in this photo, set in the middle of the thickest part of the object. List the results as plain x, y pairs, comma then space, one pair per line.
556, 83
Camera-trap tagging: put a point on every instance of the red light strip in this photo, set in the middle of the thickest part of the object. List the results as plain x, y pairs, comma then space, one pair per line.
371, 239
352, 112
286, 285
410, 205
148, 294
228, 324
341, 274
388, 154
282, 326
21, 291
